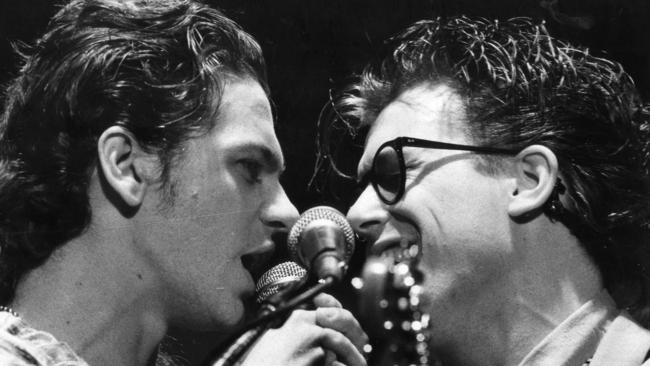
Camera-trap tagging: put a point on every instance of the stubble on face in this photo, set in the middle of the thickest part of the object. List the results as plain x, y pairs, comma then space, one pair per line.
207, 216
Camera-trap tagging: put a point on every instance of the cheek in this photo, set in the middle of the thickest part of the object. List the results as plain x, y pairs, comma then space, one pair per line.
466, 205
220, 197
215, 217
465, 233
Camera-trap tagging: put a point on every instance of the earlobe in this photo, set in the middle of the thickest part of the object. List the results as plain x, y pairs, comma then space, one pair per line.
536, 173
118, 152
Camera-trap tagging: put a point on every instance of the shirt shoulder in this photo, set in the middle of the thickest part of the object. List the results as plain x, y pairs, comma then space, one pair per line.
625, 343
21, 345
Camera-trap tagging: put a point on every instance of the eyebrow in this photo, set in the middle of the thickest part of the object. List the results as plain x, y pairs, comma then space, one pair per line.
261, 109
272, 159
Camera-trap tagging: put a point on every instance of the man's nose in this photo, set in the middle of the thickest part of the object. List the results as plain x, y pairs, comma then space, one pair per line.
280, 214
367, 215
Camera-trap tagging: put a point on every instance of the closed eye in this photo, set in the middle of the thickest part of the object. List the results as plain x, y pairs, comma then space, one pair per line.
388, 181
252, 170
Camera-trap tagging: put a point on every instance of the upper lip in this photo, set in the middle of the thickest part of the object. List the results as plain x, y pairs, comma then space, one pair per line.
272, 251
383, 245
267, 246
397, 235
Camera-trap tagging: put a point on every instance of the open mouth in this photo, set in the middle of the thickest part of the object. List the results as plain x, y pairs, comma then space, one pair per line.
258, 262
399, 249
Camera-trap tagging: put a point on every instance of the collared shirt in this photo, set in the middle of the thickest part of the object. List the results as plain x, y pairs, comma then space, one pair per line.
21, 345
597, 334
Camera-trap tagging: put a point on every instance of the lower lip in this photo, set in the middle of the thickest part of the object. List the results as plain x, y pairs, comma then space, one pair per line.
249, 291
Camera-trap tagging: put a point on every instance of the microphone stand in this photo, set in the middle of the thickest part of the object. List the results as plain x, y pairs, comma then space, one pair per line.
272, 316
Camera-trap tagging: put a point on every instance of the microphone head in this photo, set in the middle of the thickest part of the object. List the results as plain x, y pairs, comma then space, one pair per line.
320, 215
277, 278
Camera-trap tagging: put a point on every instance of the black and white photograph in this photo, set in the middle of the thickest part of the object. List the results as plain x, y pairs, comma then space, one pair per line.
325, 183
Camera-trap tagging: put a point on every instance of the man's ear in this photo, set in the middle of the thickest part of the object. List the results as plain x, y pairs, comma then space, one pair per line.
536, 170
119, 159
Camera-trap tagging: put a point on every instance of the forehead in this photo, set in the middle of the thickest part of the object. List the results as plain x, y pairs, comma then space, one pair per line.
432, 112
245, 116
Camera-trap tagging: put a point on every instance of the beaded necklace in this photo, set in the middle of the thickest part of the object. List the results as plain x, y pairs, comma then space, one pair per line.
9, 310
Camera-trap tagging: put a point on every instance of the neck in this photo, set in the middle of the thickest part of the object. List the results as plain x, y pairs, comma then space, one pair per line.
96, 305
555, 279
552, 278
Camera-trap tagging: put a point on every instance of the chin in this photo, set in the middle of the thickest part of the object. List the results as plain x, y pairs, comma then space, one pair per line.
222, 315
235, 315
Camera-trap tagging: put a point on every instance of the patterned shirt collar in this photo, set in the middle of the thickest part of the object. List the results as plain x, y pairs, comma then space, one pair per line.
34, 346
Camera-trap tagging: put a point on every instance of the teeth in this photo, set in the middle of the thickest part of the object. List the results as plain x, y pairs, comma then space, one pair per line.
402, 252
414, 250
404, 243
392, 252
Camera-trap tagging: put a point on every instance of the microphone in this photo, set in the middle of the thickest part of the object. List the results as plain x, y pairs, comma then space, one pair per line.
273, 289
322, 241
278, 282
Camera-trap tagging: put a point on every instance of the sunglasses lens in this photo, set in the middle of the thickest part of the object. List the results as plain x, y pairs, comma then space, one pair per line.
387, 173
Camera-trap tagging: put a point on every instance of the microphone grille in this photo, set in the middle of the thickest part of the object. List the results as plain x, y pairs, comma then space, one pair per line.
276, 278
318, 213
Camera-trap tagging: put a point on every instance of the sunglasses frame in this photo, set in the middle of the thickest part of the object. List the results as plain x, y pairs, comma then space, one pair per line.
399, 143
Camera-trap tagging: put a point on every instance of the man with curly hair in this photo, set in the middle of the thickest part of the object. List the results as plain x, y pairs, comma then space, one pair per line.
517, 165
139, 175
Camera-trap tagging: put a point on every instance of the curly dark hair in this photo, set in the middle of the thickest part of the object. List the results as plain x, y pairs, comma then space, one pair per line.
522, 87
156, 67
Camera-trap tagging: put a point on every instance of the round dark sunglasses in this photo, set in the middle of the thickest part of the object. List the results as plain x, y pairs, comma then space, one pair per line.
388, 171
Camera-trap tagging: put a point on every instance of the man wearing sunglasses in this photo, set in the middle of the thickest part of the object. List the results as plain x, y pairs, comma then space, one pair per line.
516, 164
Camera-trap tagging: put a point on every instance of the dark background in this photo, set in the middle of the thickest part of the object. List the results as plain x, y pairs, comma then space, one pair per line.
312, 46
